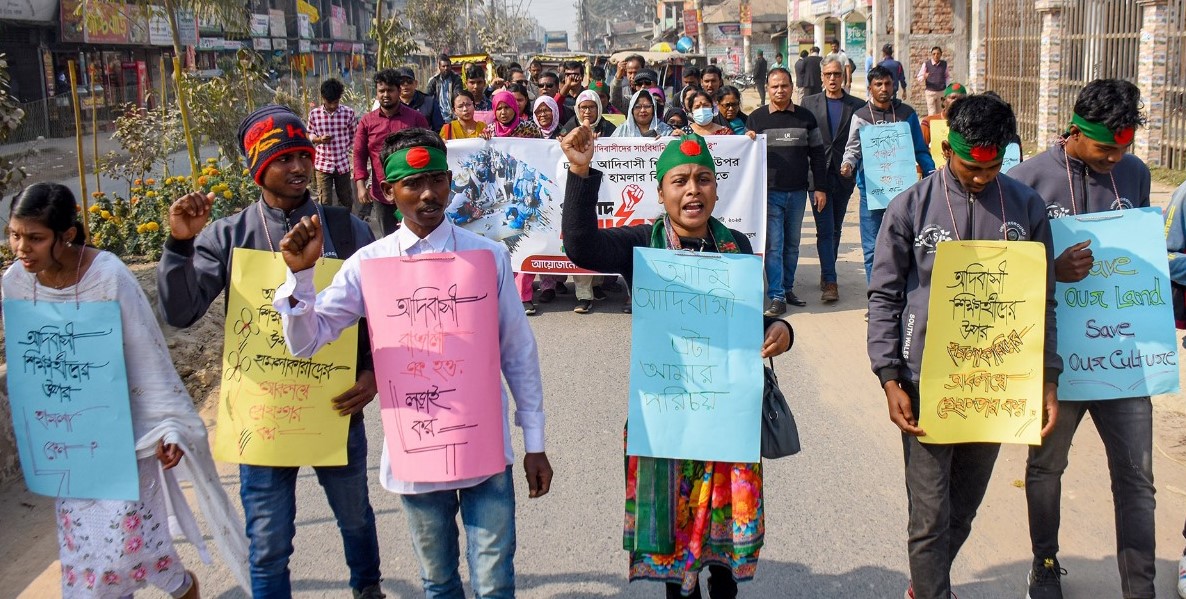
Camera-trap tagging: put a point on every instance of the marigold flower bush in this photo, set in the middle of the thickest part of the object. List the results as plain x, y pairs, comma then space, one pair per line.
136, 226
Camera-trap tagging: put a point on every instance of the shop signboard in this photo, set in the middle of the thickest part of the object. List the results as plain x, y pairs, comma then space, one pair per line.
304, 27
276, 22
259, 25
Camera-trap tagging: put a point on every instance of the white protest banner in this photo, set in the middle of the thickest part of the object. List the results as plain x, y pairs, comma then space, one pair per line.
512, 190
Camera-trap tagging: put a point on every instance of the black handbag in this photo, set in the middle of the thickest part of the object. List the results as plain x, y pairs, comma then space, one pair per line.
780, 436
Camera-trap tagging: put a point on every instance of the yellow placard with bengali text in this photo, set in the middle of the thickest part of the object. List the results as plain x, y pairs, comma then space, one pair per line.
275, 409
938, 136
982, 364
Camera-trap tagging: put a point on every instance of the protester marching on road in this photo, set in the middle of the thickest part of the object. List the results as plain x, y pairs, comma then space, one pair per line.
794, 156
475, 82
945, 483
833, 110
463, 125
443, 86
934, 75
1101, 176
846, 63
715, 515
881, 107
417, 179
331, 129
761, 69
195, 268
895, 68
114, 547
418, 100
374, 127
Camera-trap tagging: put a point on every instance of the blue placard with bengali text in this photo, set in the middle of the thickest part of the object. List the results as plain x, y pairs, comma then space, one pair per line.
1012, 156
695, 358
68, 388
1116, 327
887, 155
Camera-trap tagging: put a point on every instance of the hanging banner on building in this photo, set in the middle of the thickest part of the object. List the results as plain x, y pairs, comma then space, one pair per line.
854, 43
1116, 327
437, 363
68, 388
187, 28
695, 363
887, 154
983, 360
304, 27
158, 27
274, 408
511, 190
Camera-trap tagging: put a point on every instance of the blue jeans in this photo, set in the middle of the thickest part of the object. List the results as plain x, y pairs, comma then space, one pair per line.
488, 514
1126, 428
269, 503
784, 228
829, 223
870, 226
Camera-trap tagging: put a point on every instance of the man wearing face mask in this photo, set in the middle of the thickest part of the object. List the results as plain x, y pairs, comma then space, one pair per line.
793, 145
1090, 170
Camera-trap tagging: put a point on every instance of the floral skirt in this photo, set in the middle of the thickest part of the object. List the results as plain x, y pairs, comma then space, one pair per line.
719, 520
111, 548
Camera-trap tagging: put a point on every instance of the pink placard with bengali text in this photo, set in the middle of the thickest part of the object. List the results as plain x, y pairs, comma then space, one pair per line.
434, 330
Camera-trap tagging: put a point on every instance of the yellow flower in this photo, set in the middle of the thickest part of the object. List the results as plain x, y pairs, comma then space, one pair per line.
203, 180
94, 208
246, 172
151, 226
150, 194
213, 171
139, 228
105, 214
151, 182
211, 161
137, 189
228, 195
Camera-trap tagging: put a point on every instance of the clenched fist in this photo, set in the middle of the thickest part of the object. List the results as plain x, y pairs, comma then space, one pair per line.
301, 247
189, 214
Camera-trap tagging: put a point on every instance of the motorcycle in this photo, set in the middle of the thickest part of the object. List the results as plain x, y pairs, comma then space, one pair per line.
743, 81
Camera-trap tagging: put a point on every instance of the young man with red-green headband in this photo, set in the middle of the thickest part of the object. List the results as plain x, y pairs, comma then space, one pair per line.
1090, 170
965, 200
417, 181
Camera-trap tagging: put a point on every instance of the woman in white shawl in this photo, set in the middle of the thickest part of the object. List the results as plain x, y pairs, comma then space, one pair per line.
641, 120
111, 548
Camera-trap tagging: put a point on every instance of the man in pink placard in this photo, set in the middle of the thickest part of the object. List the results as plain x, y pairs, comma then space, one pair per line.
416, 180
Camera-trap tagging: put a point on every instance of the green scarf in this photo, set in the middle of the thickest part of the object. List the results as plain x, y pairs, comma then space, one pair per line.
655, 488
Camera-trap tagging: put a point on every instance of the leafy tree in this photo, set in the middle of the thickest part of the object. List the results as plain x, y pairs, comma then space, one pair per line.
437, 22
395, 40
11, 116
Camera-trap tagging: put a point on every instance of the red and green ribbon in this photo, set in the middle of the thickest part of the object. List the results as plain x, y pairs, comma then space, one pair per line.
1101, 133
967, 151
413, 161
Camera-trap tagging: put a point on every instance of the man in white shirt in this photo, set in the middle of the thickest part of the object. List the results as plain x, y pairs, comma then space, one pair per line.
417, 181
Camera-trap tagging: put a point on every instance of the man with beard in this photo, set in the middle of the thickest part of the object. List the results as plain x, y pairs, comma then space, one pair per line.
374, 127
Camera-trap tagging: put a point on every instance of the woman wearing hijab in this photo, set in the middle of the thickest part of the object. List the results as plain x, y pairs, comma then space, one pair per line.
660, 100
546, 113
463, 125
682, 516
676, 118
640, 119
507, 122
729, 105
588, 112
702, 122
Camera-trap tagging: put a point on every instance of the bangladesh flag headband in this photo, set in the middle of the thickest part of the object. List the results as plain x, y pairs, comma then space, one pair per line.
1101, 133
967, 151
413, 161
688, 149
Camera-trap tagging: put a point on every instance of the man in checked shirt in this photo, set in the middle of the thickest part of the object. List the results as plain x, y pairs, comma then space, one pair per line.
331, 129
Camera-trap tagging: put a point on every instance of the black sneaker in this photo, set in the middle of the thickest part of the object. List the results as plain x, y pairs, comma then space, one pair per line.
612, 285
1044, 579
794, 300
777, 308
599, 293
529, 308
561, 288
583, 307
547, 295
371, 592
628, 307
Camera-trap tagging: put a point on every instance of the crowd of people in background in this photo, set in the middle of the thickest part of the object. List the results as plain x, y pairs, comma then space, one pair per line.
363, 170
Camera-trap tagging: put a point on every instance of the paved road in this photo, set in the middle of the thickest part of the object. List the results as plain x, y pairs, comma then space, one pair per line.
835, 514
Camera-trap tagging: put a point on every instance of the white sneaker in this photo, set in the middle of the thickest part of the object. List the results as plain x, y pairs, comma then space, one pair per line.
1182, 577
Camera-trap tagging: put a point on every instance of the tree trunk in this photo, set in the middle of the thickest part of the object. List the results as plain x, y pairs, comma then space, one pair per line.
182, 102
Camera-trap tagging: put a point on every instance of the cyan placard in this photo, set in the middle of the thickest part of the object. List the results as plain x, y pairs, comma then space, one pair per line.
1116, 327
695, 358
1012, 156
887, 151
68, 387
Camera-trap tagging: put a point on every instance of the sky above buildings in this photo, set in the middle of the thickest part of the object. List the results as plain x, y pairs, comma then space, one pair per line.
555, 15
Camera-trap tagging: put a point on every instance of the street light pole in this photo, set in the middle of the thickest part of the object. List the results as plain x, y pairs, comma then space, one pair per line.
701, 43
